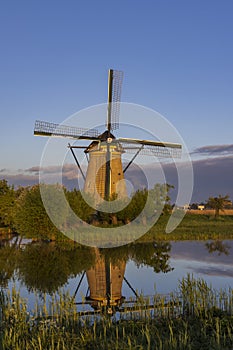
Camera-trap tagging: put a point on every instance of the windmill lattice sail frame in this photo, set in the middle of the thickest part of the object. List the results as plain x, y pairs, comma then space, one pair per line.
115, 80
43, 128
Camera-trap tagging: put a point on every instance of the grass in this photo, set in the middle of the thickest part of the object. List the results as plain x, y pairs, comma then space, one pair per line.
192, 227
204, 320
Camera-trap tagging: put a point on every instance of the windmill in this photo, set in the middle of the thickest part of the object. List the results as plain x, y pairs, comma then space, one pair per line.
105, 173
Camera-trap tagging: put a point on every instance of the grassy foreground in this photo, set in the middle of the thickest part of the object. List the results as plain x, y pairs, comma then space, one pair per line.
203, 320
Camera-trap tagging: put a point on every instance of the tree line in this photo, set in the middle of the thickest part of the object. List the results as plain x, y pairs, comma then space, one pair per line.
22, 209
218, 203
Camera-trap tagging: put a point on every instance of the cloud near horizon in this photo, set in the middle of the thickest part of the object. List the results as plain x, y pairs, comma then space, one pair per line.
53, 169
212, 176
214, 150
30, 176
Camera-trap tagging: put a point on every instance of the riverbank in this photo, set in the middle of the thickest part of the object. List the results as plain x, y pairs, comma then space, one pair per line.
192, 227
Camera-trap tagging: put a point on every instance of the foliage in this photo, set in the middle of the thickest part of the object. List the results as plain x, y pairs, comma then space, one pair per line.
23, 210
142, 206
30, 217
78, 202
109, 211
217, 203
161, 196
7, 201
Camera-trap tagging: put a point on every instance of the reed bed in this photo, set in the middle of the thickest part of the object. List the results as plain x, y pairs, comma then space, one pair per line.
195, 316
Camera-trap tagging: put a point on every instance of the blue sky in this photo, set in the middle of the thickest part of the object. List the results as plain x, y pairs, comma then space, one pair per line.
177, 57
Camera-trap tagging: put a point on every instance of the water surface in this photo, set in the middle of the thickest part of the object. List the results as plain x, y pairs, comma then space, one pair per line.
114, 275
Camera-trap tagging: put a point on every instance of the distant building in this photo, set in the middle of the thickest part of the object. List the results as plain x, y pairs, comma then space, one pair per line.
201, 207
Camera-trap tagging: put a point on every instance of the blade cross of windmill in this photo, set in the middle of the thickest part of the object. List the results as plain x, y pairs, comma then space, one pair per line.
105, 174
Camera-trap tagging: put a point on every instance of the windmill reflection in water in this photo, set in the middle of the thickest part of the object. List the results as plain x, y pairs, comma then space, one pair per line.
106, 278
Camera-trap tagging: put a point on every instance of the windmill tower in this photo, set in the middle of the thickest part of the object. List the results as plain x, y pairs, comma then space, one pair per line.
105, 174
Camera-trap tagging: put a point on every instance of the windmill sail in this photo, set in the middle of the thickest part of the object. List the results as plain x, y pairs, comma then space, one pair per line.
115, 79
147, 147
51, 129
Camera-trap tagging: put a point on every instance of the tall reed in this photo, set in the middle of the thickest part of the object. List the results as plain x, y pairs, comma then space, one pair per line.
195, 316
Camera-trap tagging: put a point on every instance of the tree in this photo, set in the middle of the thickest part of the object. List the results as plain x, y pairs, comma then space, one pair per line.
161, 197
78, 202
108, 211
7, 202
217, 203
143, 205
30, 217
136, 207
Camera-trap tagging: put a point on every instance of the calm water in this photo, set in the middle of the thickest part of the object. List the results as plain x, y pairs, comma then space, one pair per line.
122, 272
